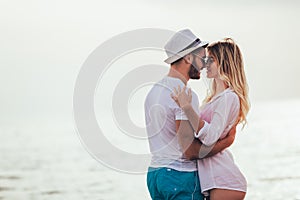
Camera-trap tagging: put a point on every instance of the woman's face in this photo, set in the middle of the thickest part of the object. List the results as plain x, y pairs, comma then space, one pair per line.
212, 67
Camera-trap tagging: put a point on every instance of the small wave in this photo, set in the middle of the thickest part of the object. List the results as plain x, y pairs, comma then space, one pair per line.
280, 178
10, 177
5, 189
51, 192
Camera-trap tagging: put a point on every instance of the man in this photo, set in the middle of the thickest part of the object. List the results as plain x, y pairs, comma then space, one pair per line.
173, 172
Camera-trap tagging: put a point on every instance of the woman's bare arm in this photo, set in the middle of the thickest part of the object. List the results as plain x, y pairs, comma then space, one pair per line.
193, 117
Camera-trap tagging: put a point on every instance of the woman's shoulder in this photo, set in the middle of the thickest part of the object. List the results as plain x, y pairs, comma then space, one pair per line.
230, 93
229, 96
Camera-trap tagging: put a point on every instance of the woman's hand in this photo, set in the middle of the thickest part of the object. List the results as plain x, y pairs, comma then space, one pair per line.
182, 98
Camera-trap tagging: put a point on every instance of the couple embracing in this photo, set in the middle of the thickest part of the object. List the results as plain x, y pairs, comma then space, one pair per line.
188, 143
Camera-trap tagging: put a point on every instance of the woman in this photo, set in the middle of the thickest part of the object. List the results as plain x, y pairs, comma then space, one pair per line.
226, 105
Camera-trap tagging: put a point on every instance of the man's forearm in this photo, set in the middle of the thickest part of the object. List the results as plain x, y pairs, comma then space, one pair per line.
214, 149
197, 150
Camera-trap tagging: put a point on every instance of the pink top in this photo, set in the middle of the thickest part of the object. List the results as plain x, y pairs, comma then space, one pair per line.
220, 171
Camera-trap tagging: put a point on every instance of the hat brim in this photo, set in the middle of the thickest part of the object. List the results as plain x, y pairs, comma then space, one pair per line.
185, 52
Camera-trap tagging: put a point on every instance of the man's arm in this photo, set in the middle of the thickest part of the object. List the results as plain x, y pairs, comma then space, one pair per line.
193, 149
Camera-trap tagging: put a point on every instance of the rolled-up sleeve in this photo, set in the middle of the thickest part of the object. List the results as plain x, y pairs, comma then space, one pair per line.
227, 106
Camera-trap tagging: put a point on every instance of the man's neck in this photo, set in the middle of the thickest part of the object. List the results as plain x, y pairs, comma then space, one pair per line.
177, 74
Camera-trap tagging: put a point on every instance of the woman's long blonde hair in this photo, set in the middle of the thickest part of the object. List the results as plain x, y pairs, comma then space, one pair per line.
229, 58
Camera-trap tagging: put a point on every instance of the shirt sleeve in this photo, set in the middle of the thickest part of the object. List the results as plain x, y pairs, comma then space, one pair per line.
227, 108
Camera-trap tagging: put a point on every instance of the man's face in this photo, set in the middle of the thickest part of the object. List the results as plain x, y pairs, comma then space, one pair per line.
197, 64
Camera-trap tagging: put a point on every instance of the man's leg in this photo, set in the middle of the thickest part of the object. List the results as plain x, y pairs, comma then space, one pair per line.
152, 183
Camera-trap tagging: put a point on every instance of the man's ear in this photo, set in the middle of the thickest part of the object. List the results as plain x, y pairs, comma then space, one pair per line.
188, 59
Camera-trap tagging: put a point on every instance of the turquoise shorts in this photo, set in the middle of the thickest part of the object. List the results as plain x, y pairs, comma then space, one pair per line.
165, 183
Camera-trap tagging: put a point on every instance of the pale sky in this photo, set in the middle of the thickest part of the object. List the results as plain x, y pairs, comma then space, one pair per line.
44, 43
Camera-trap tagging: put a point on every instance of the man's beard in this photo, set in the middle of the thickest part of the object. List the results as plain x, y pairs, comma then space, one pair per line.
194, 72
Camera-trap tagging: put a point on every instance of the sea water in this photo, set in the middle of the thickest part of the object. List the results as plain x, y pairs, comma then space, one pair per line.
48, 161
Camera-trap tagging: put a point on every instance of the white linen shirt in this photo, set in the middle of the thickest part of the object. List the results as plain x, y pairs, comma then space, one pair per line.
220, 171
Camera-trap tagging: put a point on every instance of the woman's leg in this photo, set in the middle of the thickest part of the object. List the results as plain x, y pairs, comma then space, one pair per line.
222, 194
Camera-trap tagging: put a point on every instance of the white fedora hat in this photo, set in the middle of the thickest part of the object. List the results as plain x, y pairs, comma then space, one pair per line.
182, 43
